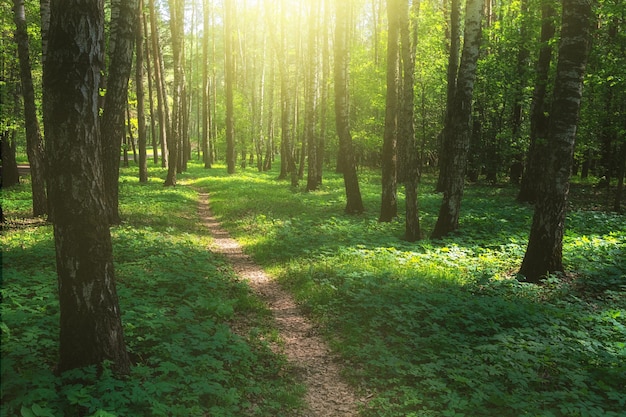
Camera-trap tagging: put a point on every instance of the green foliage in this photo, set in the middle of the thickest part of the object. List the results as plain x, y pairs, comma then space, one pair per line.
11, 117
443, 328
433, 328
601, 128
178, 301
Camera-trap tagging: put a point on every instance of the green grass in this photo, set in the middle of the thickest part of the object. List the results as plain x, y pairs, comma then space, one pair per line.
433, 328
178, 302
443, 328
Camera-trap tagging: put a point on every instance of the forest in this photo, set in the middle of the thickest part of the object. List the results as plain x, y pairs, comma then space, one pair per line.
432, 190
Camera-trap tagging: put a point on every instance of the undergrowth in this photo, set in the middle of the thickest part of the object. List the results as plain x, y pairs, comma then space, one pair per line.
178, 301
444, 327
433, 328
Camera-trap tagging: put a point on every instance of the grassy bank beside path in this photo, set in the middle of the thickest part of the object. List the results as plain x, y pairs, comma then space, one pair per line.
179, 304
444, 328
433, 328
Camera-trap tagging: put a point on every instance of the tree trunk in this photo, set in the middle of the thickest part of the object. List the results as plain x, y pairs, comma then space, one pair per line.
206, 157
91, 328
123, 22
286, 149
453, 66
261, 126
44, 11
10, 174
129, 139
213, 149
519, 84
545, 244
185, 112
354, 203
174, 139
324, 90
141, 118
34, 141
162, 109
229, 80
406, 121
287, 159
312, 96
269, 143
617, 204
389, 195
153, 116
457, 137
538, 119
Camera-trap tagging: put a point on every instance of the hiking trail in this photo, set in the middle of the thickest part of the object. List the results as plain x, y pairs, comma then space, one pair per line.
309, 355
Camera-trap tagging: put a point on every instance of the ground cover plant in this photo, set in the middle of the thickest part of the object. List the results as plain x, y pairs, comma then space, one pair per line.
433, 328
178, 302
444, 328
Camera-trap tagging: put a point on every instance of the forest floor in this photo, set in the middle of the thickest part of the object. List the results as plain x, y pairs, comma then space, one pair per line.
308, 354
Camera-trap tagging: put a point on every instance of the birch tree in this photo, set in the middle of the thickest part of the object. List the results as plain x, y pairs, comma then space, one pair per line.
34, 140
229, 81
456, 137
389, 162
406, 119
174, 139
90, 320
141, 119
354, 203
123, 22
544, 254
539, 107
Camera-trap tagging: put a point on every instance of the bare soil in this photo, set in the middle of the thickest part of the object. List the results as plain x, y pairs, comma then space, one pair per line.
327, 394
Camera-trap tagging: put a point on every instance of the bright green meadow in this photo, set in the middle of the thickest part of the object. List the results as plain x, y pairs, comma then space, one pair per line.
433, 328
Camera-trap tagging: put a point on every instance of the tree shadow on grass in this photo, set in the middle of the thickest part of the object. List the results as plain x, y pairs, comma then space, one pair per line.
435, 326
177, 300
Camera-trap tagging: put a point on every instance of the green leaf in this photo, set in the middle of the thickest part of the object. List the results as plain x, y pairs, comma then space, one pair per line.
36, 411
102, 413
27, 412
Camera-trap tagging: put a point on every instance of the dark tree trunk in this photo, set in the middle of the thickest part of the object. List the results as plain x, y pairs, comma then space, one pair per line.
91, 328
34, 141
162, 110
10, 175
406, 122
287, 163
457, 137
206, 111
141, 118
354, 202
312, 96
229, 80
269, 143
184, 143
153, 116
545, 245
174, 138
453, 66
617, 204
129, 140
123, 24
389, 162
259, 143
519, 84
516, 167
213, 149
324, 90
538, 119
44, 10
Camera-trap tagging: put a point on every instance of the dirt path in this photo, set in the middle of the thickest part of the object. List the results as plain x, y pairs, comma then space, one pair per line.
327, 395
